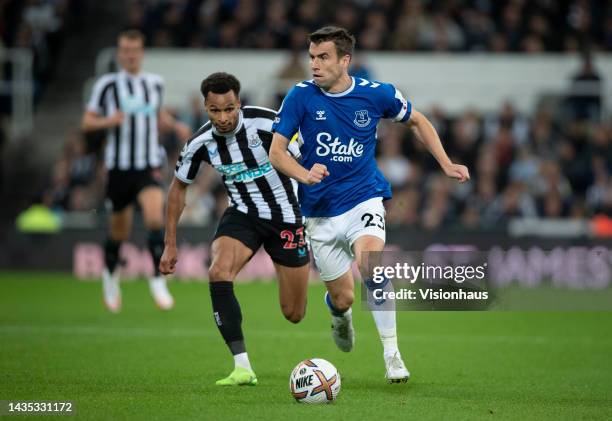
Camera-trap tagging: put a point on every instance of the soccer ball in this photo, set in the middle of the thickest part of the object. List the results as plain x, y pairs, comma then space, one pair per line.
314, 381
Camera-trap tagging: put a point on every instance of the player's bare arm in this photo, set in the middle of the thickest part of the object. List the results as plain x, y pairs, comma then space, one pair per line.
174, 209
284, 163
93, 121
167, 122
427, 135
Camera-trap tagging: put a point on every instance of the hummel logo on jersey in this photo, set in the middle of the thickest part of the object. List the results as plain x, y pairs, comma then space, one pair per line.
321, 115
362, 119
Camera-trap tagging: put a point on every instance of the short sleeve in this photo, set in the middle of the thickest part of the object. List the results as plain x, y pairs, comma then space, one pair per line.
190, 160
158, 83
289, 115
98, 97
396, 107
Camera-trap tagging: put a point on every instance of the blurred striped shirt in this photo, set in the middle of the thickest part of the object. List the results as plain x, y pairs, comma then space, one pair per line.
133, 145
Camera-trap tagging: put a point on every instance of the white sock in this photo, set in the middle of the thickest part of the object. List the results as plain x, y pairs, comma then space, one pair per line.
388, 338
242, 360
156, 279
347, 315
385, 321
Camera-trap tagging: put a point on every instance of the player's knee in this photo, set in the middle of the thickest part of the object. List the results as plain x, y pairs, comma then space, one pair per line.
343, 300
219, 272
293, 313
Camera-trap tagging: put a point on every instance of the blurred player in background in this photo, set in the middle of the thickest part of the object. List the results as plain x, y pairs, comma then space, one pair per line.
128, 105
263, 211
342, 194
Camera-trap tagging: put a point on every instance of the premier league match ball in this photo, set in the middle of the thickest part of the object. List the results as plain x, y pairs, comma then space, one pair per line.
314, 381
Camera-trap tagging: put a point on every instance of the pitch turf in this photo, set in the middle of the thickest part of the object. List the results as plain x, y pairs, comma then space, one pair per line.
57, 342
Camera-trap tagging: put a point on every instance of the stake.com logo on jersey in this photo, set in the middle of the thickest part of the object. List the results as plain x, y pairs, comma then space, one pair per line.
340, 152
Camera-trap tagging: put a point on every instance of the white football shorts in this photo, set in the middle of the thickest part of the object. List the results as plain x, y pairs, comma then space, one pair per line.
331, 238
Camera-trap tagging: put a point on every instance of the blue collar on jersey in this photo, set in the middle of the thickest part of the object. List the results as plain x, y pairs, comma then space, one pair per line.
233, 132
345, 92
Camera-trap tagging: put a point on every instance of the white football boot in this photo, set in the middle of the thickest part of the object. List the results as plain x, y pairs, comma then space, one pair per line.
396, 370
342, 328
161, 295
111, 290
343, 332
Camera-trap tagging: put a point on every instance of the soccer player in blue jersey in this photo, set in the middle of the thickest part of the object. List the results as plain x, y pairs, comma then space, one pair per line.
341, 189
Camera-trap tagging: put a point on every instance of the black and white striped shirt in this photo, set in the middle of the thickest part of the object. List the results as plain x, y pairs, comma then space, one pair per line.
253, 185
133, 145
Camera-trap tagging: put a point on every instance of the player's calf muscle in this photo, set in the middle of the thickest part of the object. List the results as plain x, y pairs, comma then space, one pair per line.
120, 230
293, 285
154, 224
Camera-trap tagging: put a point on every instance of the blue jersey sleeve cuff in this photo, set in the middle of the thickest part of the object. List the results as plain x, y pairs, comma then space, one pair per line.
283, 132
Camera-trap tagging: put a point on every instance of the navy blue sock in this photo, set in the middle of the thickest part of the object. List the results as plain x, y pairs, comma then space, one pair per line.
334, 311
156, 248
228, 315
111, 254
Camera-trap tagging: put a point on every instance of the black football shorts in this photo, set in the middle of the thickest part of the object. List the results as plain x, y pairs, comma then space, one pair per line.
285, 243
122, 187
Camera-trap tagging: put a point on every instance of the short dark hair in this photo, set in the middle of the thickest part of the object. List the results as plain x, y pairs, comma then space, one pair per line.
133, 34
220, 83
341, 37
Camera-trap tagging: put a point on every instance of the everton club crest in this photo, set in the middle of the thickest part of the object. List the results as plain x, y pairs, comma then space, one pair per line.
362, 119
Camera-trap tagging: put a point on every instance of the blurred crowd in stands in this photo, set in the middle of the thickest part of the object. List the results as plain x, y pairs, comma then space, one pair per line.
36, 25
555, 162
409, 25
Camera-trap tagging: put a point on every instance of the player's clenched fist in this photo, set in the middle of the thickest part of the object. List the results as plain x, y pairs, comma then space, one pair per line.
167, 264
460, 172
316, 174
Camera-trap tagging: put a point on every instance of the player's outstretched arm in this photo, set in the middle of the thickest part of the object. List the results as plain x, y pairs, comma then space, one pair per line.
284, 163
93, 121
174, 209
425, 133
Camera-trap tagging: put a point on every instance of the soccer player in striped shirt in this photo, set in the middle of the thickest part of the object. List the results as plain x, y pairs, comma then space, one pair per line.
128, 105
263, 211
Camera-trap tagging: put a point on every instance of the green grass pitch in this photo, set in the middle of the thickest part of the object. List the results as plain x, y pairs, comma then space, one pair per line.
57, 342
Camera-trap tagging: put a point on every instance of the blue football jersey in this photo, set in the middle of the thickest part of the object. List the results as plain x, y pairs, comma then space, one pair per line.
339, 131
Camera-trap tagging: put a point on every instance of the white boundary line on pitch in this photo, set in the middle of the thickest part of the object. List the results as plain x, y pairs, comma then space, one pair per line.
191, 333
